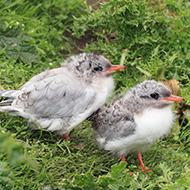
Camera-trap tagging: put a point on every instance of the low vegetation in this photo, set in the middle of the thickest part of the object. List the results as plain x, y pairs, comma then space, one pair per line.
151, 37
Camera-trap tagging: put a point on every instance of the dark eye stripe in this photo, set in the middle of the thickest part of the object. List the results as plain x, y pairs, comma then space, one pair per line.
90, 65
145, 97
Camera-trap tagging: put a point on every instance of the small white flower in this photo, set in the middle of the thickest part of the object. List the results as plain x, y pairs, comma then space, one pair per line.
3, 131
17, 22
50, 63
22, 24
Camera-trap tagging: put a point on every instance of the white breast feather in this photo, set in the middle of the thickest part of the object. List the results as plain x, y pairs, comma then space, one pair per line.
151, 125
104, 88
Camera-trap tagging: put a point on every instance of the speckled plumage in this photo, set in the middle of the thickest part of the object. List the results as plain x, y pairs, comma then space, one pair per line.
59, 99
134, 122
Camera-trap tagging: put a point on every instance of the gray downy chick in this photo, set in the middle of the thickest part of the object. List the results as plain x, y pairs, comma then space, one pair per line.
60, 99
136, 121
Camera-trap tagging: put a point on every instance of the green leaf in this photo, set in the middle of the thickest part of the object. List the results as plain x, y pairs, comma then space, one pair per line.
84, 181
6, 182
119, 170
28, 57
16, 45
183, 182
12, 52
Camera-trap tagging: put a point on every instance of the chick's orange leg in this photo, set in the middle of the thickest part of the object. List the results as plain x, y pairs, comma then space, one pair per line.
124, 160
142, 166
78, 146
67, 137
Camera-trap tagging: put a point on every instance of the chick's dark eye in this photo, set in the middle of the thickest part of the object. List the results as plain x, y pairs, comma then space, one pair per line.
154, 95
99, 68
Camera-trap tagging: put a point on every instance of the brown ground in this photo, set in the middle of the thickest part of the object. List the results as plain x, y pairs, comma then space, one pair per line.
95, 3
87, 38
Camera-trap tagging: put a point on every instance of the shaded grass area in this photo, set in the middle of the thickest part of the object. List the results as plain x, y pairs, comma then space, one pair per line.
153, 36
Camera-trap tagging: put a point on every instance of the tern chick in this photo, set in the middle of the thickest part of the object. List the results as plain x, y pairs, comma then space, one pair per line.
60, 99
136, 121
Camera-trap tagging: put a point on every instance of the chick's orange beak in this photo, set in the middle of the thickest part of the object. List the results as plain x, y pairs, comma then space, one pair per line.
114, 68
172, 98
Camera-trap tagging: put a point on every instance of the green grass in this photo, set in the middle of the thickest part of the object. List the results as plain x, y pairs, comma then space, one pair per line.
38, 35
